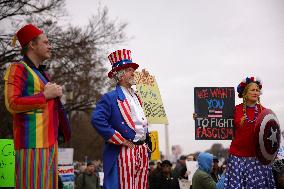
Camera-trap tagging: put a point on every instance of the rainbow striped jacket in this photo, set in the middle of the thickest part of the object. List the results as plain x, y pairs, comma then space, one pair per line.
36, 121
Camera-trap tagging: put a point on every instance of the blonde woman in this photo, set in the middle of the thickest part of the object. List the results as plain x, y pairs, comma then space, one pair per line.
243, 169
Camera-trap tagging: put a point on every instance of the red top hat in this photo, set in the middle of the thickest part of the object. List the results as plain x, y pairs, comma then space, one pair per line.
119, 60
27, 33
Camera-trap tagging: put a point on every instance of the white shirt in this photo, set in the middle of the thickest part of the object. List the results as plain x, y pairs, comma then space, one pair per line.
137, 114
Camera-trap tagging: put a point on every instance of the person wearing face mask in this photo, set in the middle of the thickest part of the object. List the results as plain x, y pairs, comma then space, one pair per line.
119, 119
244, 170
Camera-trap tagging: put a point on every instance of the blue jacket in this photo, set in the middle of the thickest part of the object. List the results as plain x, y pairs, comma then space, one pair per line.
110, 115
201, 178
205, 161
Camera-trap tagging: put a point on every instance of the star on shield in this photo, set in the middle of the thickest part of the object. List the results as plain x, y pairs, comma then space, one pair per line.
273, 136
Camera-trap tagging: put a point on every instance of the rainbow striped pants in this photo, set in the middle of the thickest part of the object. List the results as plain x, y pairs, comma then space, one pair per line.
133, 167
37, 168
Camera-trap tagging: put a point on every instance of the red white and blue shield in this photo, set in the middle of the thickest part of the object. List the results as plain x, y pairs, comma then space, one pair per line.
267, 136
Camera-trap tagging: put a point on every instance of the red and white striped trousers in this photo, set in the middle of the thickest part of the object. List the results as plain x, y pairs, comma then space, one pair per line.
133, 167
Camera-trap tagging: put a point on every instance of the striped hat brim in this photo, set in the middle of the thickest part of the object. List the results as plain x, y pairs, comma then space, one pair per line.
132, 65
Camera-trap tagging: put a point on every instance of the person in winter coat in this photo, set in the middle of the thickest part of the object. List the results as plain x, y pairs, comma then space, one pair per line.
201, 178
88, 179
165, 179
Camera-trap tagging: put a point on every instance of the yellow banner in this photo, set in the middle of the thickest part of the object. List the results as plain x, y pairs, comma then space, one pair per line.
148, 90
155, 155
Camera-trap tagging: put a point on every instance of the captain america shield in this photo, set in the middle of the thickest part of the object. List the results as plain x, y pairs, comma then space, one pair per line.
267, 136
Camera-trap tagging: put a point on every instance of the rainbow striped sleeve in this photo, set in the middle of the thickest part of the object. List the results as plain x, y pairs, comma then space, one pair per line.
20, 95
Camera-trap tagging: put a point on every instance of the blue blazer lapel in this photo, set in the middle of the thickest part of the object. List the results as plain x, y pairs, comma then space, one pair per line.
124, 108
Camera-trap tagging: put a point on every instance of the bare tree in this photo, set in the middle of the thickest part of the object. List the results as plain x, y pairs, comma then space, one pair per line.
88, 142
78, 62
82, 55
15, 8
13, 13
218, 150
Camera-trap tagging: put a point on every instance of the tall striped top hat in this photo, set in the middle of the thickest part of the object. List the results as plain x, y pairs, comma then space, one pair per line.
119, 60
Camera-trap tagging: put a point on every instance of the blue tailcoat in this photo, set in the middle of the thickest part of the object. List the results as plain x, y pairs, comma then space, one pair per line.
107, 118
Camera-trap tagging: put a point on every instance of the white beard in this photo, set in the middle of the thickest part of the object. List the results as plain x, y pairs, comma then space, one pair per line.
132, 82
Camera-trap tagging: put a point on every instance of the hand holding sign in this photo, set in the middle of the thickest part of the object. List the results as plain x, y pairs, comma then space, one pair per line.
214, 113
148, 91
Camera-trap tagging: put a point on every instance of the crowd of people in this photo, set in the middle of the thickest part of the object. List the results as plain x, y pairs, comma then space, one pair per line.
163, 174
167, 174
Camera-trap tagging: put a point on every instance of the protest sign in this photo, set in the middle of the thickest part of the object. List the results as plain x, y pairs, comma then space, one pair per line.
155, 155
191, 167
66, 168
214, 107
67, 176
7, 163
65, 156
148, 91
101, 176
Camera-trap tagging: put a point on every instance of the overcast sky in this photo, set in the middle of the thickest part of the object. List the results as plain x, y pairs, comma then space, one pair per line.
198, 43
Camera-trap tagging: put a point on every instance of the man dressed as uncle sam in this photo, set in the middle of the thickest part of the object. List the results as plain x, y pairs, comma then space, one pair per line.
38, 115
119, 119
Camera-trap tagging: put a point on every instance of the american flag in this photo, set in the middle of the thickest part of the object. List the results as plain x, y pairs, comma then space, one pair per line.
215, 113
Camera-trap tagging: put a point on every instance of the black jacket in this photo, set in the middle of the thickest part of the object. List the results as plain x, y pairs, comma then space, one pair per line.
162, 182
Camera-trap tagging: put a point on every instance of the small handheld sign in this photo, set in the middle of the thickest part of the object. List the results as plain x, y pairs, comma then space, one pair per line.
214, 107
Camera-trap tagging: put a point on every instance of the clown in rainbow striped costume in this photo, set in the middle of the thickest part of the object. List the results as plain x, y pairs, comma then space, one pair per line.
120, 120
38, 115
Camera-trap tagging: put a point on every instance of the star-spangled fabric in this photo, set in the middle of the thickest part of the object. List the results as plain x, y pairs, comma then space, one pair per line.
248, 173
